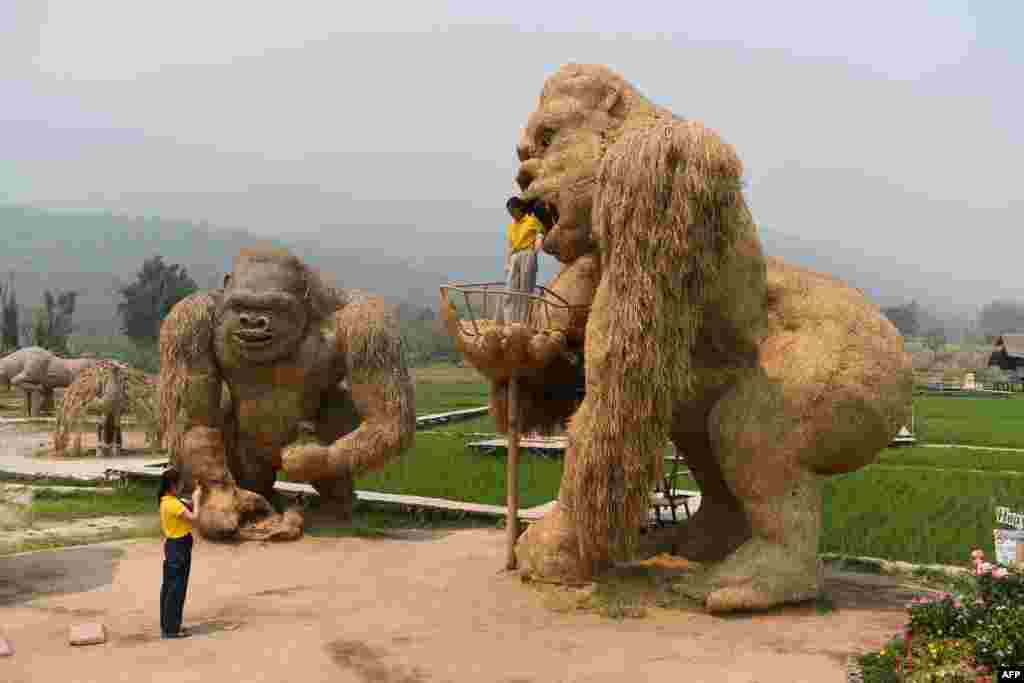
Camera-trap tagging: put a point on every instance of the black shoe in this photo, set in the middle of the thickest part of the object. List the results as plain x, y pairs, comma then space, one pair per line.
180, 634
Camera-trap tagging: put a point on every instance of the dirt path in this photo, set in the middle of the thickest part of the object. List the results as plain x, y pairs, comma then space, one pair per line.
417, 609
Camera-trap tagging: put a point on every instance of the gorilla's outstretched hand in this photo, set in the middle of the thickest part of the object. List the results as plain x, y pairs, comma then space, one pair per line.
224, 508
499, 351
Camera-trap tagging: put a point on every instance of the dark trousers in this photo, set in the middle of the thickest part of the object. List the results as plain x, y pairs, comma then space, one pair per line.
177, 563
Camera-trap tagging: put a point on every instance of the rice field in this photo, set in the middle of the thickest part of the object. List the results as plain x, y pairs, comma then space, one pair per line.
917, 504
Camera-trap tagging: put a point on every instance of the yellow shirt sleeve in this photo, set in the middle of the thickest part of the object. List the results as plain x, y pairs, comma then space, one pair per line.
171, 521
522, 234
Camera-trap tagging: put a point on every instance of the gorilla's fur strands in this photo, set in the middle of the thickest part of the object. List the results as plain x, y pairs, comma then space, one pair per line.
185, 335
668, 214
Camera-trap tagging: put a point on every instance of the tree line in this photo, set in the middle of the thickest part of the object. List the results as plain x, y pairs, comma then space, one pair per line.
995, 318
145, 302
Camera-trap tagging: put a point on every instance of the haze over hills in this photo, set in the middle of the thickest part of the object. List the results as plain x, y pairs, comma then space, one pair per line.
93, 252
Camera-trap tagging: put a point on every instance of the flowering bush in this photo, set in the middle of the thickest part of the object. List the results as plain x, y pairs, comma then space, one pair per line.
960, 635
942, 616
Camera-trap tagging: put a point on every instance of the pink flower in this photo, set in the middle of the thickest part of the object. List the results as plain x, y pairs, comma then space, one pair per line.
978, 555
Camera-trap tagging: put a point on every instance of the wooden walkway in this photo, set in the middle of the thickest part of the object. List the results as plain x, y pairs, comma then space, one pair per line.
154, 469
421, 421
451, 416
544, 445
688, 501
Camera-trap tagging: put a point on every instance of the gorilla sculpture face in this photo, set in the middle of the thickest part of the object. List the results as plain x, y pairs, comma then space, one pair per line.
265, 310
581, 112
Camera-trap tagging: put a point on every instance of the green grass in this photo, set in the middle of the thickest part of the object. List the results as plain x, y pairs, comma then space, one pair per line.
136, 498
434, 397
972, 421
920, 514
49, 481
954, 458
441, 465
378, 521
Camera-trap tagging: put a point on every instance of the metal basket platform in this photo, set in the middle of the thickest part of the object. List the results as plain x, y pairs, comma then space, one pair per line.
540, 309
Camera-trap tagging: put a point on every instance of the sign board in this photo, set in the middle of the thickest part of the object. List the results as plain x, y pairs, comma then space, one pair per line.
1009, 546
1009, 543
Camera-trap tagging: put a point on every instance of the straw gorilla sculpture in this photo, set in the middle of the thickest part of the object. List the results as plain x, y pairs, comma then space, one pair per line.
766, 376
317, 383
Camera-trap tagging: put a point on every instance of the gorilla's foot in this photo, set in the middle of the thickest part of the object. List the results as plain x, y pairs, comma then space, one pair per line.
714, 531
283, 527
225, 509
549, 550
759, 575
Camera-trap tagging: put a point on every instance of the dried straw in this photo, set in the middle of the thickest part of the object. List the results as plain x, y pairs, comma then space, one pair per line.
189, 382
668, 213
139, 399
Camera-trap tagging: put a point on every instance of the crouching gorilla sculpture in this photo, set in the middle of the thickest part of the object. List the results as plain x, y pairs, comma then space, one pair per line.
316, 387
766, 376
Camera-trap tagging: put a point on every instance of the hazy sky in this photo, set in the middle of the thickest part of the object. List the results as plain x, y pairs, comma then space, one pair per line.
893, 127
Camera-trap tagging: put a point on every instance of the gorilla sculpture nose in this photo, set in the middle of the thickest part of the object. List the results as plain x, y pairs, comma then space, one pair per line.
254, 322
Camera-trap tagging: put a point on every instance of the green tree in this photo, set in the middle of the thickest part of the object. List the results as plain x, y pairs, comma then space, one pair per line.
147, 301
935, 340
906, 318
52, 322
1002, 316
8, 316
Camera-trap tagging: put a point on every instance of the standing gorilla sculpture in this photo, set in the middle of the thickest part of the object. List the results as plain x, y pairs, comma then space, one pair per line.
317, 381
766, 376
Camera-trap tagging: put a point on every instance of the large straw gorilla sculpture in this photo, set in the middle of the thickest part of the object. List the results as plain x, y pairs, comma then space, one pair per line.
317, 387
766, 376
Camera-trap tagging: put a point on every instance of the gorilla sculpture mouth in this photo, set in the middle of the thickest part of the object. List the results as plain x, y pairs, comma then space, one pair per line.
254, 339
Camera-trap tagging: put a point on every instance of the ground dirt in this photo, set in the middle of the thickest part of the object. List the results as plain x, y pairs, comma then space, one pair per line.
414, 608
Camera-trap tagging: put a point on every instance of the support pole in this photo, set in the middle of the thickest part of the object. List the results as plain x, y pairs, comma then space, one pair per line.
512, 474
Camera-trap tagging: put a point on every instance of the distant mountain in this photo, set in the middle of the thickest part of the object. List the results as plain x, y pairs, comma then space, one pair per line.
94, 252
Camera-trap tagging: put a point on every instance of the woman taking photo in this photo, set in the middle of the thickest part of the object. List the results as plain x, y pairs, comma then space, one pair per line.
176, 522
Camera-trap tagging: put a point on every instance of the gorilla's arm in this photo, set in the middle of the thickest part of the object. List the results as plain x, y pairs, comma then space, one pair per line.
370, 346
190, 392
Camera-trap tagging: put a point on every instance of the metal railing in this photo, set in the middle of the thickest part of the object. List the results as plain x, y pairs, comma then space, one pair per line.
538, 307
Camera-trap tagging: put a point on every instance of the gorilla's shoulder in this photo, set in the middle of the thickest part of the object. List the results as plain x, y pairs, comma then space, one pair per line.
188, 328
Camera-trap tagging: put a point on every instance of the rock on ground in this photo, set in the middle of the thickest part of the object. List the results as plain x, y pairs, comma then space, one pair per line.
92, 633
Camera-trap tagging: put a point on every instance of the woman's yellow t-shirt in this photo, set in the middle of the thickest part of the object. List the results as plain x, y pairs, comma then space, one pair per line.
171, 521
523, 233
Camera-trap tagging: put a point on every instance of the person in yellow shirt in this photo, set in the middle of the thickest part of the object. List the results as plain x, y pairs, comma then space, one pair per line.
176, 521
525, 239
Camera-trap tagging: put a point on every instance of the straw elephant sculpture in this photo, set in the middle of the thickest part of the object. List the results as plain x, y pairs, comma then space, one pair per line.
766, 376
39, 372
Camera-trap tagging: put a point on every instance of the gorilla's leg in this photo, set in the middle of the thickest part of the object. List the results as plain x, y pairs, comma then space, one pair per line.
253, 468
719, 525
755, 436
337, 497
